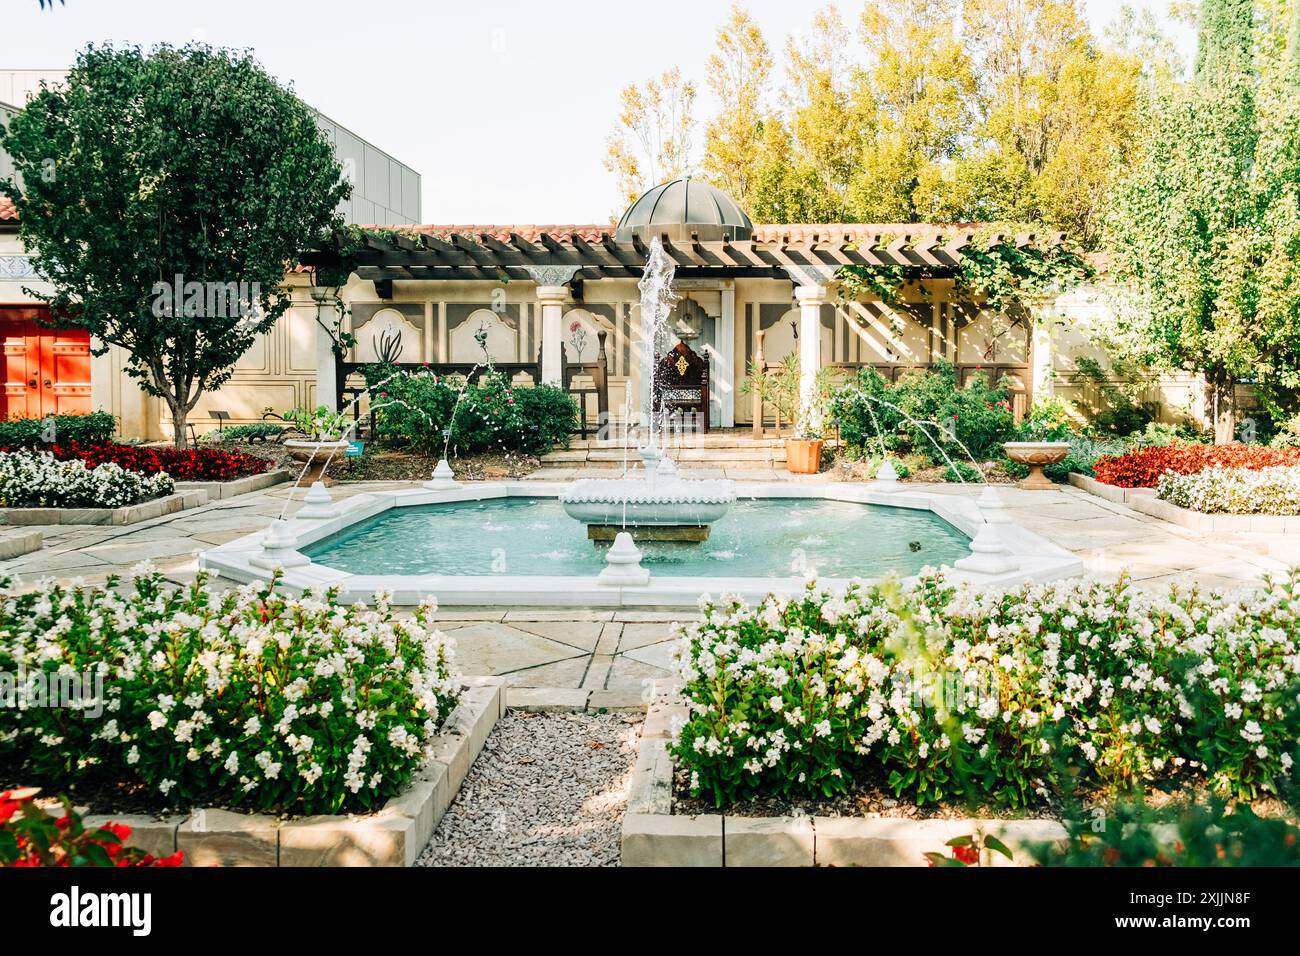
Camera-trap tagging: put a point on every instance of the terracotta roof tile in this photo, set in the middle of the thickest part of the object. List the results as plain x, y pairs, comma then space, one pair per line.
796, 232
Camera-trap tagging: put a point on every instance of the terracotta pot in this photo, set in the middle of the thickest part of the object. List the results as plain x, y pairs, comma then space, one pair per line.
803, 456
317, 453
1036, 454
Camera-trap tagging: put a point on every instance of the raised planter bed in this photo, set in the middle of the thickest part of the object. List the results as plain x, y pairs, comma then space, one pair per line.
1120, 496
394, 836
239, 486
127, 514
1225, 523
654, 836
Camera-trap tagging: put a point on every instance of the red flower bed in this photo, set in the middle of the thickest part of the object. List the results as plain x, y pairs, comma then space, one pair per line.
32, 837
189, 464
1143, 467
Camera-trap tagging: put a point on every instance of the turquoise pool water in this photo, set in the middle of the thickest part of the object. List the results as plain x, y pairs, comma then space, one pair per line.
757, 538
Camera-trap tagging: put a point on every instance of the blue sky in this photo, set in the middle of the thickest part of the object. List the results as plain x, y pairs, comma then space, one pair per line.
503, 107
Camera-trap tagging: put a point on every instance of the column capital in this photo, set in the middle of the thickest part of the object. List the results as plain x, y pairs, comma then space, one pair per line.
552, 294
552, 275
811, 294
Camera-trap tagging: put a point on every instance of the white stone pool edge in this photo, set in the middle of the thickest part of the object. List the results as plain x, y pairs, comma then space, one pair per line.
1036, 558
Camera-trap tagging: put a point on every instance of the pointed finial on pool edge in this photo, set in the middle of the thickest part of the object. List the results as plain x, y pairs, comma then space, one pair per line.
623, 563
279, 548
443, 479
317, 503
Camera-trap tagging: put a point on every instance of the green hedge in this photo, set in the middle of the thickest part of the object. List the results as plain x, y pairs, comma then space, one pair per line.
422, 410
95, 428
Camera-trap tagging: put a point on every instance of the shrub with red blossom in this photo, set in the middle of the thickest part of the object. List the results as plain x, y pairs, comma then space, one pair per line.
188, 464
1142, 467
30, 836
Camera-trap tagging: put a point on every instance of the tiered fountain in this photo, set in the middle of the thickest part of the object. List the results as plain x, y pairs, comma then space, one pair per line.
653, 502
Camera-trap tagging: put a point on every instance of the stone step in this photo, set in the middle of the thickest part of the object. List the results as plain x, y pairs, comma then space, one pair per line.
702, 456
730, 440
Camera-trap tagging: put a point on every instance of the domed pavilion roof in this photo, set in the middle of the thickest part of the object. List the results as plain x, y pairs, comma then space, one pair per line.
681, 207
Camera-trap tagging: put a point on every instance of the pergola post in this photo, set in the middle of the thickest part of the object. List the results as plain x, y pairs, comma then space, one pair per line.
810, 298
552, 294
552, 299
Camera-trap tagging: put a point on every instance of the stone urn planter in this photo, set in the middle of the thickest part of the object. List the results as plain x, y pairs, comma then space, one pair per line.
1036, 454
315, 454
803, 456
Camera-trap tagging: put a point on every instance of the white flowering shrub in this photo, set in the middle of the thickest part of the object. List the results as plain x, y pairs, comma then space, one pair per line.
1268, 491
249, 699
32, 479
959, 693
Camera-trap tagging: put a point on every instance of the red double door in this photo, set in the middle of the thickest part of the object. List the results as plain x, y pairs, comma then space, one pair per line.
47, 371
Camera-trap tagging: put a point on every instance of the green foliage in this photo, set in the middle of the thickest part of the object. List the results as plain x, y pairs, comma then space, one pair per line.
782, 387
1048, 420
1212, 832
250, 432
422, 412
1207, 223
997, 273
1010, 696
244, 697
1082, 457
184, 161
318, 424
1289, 435
923, 413
548, 416
960, 471
1120, 411
94, 428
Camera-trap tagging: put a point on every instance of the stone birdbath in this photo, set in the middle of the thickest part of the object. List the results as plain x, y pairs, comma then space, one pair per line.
315, 452
1036, 454
324, 430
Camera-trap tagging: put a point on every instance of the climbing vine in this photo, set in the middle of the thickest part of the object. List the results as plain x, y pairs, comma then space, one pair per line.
1002, 275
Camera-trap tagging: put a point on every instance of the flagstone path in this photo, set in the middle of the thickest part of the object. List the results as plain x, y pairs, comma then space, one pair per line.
622, 650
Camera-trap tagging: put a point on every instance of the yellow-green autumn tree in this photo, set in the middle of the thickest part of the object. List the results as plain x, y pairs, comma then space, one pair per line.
737, 74
652, 140
915, 91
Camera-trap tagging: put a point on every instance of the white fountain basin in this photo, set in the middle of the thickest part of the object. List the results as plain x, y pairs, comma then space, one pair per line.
655, 497
679, 501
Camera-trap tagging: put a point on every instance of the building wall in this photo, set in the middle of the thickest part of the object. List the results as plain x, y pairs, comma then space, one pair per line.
384, 190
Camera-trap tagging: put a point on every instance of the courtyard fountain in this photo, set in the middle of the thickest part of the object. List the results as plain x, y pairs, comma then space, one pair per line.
654, 502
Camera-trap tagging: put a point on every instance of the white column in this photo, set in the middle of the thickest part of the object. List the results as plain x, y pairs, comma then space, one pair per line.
552, 298
725, 365
326, 373
810, 299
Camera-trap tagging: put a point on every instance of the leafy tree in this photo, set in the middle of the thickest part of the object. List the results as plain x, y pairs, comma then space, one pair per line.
1207, 223
824, 120
917, 84
737, 74
652, 140
182, 165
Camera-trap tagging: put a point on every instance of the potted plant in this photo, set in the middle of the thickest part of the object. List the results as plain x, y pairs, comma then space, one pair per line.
1042, 439
324, 430
782, 387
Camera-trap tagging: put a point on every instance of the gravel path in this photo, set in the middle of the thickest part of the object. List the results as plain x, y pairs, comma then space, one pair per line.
547, 790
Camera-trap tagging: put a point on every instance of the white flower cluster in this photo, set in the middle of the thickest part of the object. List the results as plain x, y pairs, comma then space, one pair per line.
276, 702
38, 479
1267, 491
953, 690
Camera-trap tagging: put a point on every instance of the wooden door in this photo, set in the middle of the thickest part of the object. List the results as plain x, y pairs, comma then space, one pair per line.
46, 371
